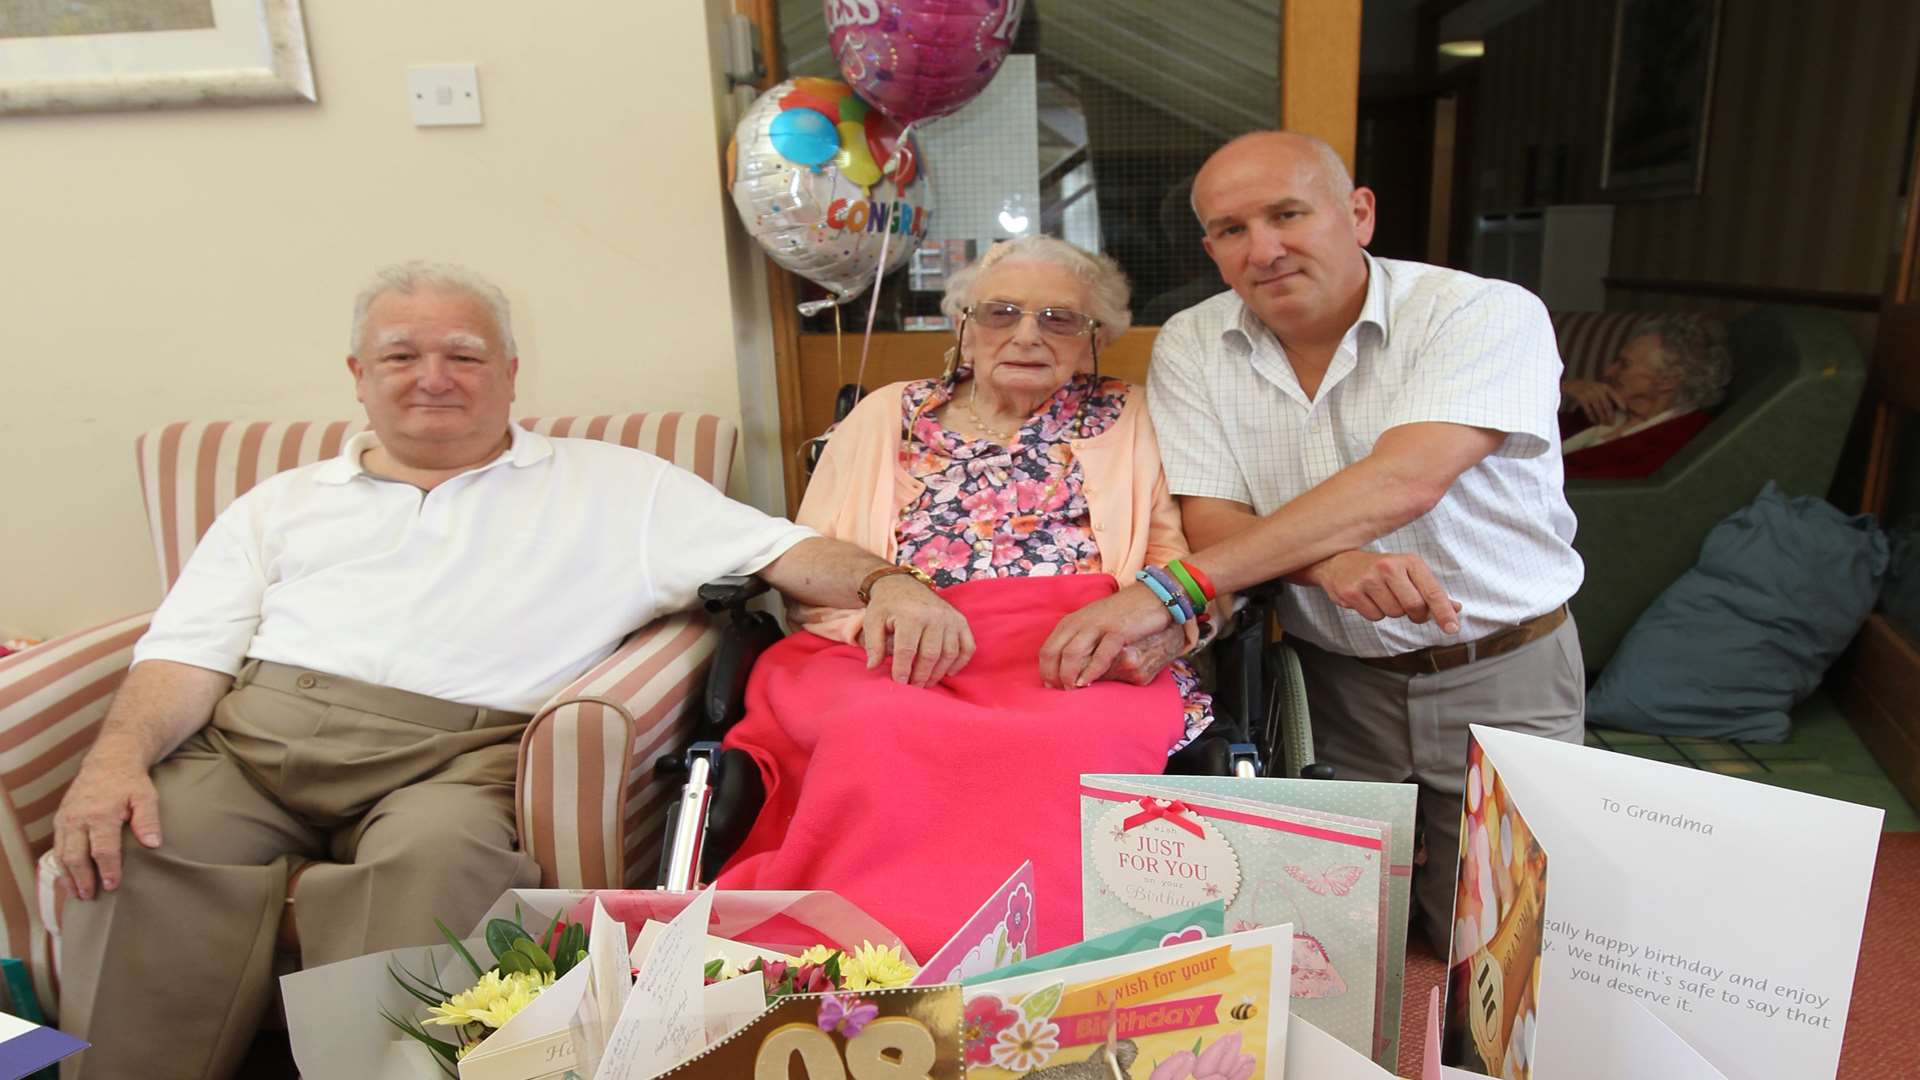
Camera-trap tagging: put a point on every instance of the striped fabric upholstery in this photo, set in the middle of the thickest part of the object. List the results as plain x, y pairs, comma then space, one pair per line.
1589, 339
587, 808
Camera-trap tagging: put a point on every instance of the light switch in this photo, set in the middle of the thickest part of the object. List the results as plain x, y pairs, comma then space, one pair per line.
440, 94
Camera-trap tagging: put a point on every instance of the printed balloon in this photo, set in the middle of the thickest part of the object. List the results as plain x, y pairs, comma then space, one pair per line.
822, 221
918, 59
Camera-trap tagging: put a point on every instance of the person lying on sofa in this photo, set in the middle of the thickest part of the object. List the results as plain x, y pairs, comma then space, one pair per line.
1650, 399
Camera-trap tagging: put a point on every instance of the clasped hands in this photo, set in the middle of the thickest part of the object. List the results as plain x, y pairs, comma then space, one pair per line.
1092, 643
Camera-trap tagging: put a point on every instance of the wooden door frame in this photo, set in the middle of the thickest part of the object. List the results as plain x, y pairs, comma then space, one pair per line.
1319, 57
1882, 678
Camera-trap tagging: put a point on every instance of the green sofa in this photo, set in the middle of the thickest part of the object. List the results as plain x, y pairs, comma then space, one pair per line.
1797, 377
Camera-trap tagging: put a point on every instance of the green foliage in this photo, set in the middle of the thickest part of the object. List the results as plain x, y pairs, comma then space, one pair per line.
446, 1054
460, 949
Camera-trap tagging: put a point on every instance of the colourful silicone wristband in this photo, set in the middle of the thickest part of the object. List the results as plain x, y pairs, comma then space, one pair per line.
1176, 593
1201, 579
1166, 597
1194, 591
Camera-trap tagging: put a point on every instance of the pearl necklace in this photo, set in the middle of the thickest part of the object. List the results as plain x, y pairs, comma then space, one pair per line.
1004, 438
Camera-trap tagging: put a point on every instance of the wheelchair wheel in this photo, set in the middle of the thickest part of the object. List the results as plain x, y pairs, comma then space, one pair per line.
1286, 741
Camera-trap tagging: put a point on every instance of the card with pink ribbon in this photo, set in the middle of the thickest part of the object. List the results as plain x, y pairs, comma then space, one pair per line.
1151, 845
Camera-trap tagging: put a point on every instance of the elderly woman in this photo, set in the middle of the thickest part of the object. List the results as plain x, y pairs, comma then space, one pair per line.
1649, 401
1025, 485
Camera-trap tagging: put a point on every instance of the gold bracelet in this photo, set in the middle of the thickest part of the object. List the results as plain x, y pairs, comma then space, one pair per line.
865, 591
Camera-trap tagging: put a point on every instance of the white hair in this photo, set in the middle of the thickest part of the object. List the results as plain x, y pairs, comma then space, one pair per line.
408, 277
1693, 353
1107, 288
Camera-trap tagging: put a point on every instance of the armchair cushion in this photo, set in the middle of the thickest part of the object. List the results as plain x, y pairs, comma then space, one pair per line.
587, 807
1781, 587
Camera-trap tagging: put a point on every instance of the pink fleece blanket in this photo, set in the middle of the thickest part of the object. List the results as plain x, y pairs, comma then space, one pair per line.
916, 804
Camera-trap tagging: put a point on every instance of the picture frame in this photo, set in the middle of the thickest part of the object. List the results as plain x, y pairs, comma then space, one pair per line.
59, 56
1659, 97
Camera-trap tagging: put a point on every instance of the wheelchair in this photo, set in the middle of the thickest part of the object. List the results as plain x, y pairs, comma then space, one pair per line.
1261, 726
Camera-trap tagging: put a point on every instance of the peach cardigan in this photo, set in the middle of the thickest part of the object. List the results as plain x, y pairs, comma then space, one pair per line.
859, 489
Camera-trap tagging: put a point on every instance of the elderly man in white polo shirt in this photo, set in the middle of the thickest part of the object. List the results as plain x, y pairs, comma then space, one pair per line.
338, 682
1383, 434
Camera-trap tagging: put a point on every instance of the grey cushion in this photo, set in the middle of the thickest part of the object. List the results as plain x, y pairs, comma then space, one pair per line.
1781, 586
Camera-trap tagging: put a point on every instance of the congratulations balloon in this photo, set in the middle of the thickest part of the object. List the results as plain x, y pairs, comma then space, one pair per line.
820, 220
918, 59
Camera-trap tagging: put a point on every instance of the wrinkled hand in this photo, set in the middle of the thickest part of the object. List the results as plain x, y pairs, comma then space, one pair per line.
928, 638
1086, 643
1140, 661
102, 799
1377, 586
1596, 399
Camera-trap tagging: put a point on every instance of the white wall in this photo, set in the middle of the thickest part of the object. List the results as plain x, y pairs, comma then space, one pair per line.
200, 264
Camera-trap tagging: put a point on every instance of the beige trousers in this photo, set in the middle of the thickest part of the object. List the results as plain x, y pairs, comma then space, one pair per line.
398, 806
1371, 724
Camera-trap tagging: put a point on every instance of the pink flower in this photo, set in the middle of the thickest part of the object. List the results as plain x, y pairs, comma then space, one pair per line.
942, 553
1005, 550
986, 1017
1177, 1067
1019, 915
1224, 1061
989, 503
1039, 495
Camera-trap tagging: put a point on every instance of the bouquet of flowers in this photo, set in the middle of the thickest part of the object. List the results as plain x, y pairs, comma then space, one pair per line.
821, 970
523, 966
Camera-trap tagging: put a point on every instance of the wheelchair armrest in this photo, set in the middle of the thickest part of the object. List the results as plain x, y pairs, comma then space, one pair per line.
731, 593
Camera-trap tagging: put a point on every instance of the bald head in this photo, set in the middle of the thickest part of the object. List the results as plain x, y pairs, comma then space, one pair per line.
1287, 228
1282, 148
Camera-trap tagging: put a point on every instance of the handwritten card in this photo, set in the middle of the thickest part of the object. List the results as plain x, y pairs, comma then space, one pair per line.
664, 1020
1729, 910
994, 937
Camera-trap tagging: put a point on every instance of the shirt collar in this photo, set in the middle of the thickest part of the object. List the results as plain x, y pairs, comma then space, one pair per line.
1245, 328
524, 448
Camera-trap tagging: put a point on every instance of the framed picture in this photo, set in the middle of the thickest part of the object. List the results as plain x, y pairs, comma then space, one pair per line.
1658, 100
60, 56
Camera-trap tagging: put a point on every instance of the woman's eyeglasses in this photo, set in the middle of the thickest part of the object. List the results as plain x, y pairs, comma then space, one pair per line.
1057, 321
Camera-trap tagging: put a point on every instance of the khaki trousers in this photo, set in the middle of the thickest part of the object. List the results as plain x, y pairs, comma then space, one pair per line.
1371, 724
398, 808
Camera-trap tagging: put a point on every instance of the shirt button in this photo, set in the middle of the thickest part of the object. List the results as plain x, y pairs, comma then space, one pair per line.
305, 682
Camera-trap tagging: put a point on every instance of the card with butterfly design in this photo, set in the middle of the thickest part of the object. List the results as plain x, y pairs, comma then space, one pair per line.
1148, 848
1389, 807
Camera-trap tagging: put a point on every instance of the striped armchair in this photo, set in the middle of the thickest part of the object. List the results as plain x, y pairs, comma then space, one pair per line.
588, 808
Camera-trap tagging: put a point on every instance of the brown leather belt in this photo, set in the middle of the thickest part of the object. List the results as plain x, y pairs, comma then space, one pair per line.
1437, 658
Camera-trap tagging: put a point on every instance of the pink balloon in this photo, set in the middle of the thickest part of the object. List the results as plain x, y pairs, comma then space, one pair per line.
918, 59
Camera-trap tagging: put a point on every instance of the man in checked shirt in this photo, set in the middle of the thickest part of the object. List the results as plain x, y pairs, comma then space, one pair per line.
1335, 408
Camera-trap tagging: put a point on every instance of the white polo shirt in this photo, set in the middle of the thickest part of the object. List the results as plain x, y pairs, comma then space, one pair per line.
1431, 344
497, 588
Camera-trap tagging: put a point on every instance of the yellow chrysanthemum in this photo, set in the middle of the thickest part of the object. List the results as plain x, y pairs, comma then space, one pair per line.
873, 967
492, 1001
819, 954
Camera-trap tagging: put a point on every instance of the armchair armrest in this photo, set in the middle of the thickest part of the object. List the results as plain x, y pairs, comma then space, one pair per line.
52, 699
588, 807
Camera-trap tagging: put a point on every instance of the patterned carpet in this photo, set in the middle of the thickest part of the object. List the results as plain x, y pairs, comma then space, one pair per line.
1879, 1043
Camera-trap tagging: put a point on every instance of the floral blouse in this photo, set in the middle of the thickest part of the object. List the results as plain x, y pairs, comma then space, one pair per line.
998, 511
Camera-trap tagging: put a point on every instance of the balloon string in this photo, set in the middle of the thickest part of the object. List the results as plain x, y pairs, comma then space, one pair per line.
879, 272
839, 353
